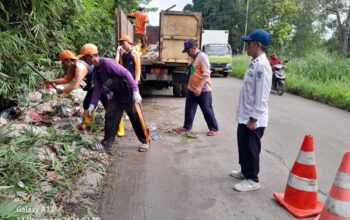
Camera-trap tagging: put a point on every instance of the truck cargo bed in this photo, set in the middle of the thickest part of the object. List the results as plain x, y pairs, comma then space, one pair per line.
175, 27
164, 65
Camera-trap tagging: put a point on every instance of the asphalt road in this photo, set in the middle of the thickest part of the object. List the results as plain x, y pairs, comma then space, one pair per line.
187, 178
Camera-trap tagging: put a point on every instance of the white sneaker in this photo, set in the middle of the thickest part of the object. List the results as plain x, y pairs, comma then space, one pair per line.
237, 174
144, 147
246, 185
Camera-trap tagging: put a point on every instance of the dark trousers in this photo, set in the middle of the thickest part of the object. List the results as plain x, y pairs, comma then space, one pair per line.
249, 147
88, 97
204, 100
113, 116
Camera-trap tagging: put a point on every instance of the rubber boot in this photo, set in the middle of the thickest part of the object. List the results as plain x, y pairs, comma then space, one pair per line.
143, 51
87, 120
121, 130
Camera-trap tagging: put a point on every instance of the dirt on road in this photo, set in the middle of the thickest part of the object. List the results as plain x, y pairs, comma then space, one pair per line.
186, 177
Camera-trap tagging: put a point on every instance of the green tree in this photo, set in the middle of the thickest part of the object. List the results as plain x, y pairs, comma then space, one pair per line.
129, 6
275, 16
337, 13
307, 30
223, 14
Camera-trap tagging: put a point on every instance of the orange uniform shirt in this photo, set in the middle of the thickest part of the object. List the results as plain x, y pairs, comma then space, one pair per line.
75, 75
202, 68
140, 20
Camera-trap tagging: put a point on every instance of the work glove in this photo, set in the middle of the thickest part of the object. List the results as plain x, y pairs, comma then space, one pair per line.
137, 97
48, 84
59, 91
91, 109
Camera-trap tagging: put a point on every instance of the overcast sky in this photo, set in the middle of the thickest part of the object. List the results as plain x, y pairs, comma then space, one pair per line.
162, 5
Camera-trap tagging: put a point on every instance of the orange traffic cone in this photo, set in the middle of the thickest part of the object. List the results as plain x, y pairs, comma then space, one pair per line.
300, 196
337, 206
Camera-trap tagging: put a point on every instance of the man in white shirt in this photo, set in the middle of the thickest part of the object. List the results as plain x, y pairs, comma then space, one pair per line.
252, 110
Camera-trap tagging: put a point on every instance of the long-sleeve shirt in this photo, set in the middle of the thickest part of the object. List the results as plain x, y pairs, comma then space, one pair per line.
110, 76
255, 92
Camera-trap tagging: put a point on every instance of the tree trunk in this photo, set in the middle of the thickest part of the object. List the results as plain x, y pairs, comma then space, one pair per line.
346, 32
343, 27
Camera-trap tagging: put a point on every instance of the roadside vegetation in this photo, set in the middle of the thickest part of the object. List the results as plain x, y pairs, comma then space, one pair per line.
319, 76
240, 64
36, 31
40, 169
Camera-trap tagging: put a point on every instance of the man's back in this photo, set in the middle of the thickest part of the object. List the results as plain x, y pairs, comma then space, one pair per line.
140, 20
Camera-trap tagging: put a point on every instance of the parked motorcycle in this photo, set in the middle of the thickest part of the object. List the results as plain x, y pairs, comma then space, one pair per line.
278, 79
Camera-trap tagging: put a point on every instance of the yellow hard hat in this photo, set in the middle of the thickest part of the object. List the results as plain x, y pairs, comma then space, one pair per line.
88, 49
67, 54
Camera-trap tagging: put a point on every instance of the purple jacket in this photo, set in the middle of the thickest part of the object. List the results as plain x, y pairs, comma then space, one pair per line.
109, 75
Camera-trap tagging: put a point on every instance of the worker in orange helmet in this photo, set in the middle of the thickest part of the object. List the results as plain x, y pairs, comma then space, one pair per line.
78, 73
141, 19
130, 59
108, 75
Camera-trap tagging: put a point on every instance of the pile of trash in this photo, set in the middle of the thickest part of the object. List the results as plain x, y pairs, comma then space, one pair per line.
42, 129
45, 112
152, 52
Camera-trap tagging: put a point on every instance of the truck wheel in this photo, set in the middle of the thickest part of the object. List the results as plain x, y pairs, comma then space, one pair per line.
142, 90
225, 74
184, 90
177, 90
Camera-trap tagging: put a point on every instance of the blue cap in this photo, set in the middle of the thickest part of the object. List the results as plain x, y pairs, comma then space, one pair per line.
188, 44
258, 35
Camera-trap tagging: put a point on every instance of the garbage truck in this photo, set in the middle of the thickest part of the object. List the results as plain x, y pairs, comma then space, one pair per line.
164, 65
215, 45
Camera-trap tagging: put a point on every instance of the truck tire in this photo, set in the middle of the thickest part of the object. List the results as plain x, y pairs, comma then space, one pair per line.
177, 90
225, 74
184, 90
142, 90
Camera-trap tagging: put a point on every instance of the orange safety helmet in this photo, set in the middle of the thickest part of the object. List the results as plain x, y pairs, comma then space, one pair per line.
88, 49
124, 38
67, 55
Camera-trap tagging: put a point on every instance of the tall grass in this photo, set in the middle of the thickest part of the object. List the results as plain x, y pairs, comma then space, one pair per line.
319, 76
239, 65
322, 77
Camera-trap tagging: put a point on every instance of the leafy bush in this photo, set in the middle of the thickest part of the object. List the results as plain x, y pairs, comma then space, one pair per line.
37, 30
